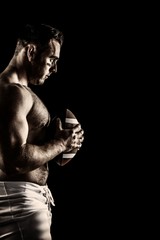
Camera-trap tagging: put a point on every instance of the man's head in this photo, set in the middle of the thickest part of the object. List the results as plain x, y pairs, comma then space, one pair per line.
40, 34
42, 44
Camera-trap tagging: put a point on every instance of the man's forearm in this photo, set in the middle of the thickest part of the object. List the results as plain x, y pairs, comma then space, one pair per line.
33, 156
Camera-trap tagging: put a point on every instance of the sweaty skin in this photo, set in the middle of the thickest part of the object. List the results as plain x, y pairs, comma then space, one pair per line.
26, 140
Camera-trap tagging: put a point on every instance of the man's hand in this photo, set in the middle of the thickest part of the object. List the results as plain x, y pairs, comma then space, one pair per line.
71, 138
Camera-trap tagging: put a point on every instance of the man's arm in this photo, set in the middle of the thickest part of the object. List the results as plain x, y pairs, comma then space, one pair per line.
18, 154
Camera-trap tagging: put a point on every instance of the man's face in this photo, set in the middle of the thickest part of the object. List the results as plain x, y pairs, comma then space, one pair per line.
45, 63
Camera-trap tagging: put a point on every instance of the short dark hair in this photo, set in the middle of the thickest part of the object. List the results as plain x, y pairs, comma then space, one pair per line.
39, 34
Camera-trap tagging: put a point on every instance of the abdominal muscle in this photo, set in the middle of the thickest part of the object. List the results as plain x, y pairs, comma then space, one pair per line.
38, 176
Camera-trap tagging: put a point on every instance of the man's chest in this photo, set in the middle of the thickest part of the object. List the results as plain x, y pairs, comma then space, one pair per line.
38, 116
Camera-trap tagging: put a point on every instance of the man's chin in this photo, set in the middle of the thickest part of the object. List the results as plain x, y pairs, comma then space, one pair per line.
41, 82
38, 82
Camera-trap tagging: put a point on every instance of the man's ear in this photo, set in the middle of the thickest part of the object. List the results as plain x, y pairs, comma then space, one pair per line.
31, 51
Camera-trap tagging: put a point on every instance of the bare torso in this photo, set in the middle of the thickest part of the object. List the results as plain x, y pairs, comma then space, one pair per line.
38, 119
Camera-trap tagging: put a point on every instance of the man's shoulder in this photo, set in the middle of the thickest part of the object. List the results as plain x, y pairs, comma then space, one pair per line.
17, 89
17, 94
15, 86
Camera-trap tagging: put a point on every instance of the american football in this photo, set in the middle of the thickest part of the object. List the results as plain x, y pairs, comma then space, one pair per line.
69, 121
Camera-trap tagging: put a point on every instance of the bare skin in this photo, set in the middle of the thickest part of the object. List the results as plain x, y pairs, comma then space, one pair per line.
27, 143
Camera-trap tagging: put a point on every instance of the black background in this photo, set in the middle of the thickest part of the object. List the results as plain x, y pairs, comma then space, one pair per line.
93, 192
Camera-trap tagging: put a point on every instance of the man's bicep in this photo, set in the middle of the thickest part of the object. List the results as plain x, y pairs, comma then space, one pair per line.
16, 131
15, 117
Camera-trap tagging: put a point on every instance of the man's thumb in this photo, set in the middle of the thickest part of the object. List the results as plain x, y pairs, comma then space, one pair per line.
59, 123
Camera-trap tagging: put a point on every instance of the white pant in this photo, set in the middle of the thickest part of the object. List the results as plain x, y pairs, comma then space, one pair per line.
25, 211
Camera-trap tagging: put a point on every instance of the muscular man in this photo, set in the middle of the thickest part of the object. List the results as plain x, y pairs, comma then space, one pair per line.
27, 139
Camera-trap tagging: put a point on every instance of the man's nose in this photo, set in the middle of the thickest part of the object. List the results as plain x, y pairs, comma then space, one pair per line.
53, 69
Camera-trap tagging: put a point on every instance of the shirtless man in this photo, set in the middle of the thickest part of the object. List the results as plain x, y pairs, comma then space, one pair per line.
27, 139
